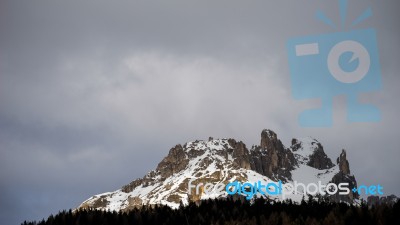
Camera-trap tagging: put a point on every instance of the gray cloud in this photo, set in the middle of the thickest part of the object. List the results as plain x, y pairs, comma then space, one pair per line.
93, 94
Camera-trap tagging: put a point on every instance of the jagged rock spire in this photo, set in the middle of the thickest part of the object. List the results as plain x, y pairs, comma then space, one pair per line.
343, 163
271, 158
220, 161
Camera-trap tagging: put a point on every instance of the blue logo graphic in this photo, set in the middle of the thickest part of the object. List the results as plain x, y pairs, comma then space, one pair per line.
250, 190
369, 190
341, 63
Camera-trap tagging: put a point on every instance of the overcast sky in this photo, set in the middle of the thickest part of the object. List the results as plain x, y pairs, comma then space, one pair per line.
93, 94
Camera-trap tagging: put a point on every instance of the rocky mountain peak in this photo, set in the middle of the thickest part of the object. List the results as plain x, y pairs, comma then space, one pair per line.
240, 154
269, 140
311, 152
220, 161
379, 200
296, 144
344, 176
174, 162
271, 158
343, 163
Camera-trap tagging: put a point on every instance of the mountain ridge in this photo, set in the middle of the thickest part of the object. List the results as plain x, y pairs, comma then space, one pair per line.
220, 161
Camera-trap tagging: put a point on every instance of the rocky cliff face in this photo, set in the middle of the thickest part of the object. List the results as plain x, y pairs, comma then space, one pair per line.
271, 158
315, 158
220, 161
344, 176
379, 200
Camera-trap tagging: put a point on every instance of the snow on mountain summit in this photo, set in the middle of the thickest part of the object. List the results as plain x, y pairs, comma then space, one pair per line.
309, 151
211, 144
221, 161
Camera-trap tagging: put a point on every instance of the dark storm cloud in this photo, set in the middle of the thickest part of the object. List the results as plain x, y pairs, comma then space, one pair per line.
94, 93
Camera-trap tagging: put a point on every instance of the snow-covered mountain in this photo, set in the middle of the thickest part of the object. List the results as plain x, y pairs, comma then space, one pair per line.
222, 161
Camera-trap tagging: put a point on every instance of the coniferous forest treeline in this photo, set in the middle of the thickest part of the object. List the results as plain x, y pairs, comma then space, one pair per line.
229, 211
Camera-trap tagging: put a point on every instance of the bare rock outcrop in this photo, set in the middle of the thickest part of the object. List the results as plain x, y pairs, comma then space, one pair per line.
344, 176
271, 158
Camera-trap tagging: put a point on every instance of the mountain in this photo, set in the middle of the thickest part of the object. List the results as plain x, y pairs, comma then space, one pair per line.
382, 200
222, 161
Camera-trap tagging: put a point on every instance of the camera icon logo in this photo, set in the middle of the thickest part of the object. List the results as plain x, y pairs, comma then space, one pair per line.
342, 63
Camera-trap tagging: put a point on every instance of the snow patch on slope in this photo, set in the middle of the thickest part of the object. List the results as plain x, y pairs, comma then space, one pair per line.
214, 161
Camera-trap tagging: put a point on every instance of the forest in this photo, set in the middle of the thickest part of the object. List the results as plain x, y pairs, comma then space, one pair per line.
236, 211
